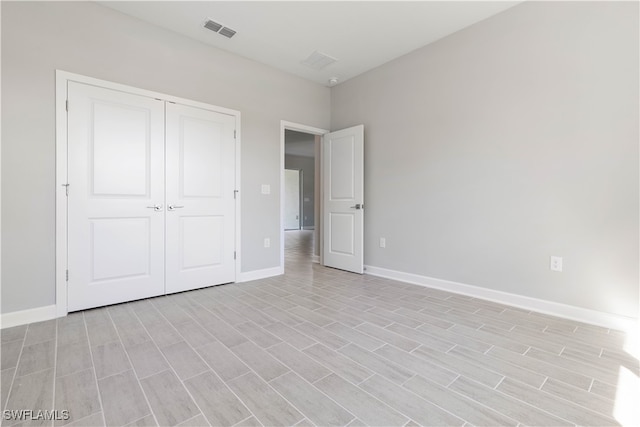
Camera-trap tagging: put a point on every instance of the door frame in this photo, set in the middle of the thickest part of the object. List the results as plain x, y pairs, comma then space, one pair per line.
62, 79
286, 125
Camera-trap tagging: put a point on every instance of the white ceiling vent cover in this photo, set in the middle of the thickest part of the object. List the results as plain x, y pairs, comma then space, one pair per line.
318, 60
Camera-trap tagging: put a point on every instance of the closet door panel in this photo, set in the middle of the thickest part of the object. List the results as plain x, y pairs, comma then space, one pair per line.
116, 177
200, 183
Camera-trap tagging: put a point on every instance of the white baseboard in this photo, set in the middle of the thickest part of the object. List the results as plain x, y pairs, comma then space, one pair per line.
260, 274
23, 317
315, 258
566, 311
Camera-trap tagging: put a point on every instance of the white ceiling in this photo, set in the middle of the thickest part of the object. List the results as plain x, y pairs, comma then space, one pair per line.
360, 34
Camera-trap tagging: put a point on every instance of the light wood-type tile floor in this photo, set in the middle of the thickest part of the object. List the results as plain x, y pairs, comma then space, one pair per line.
316, 346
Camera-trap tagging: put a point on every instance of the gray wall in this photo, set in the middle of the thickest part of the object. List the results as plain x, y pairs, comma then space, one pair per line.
86, 38
307, 166
505, 143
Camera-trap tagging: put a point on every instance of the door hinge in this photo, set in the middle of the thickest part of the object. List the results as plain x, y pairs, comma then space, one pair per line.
67, 275
235, 193
234, 134
66, 105
66, 189
234, 254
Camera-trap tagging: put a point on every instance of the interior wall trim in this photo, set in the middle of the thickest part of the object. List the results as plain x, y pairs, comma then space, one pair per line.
248, 276
22, 317
565, 311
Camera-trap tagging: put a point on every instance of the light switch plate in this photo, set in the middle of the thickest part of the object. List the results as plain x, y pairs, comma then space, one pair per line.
266, 189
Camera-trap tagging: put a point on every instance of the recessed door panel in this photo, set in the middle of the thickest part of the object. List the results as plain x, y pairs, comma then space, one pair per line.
120, 149
199, 252
116, 177
341, 226
201, 151
120, 248
343, 203
200, 184
343, 168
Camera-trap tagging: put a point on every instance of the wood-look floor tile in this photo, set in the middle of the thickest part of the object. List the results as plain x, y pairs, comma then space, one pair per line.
482, 360
391, 371
219, 358
15, 333
6, 380
336, 362
514, 408
350, 334
147, 421
36, 357
409, 404
220, 406
561, 408
458, 404
10, 353
73, 357
299, 362
146, 359
169, 400
459, 365
289, 335
258, 334
321, 335
417, 365
261, 362
550, 370
77, 393
109, 359
359, 403
122, 399
94, 420
388, 337
34, 391
263, 401
40, 332
313, 404
184, 360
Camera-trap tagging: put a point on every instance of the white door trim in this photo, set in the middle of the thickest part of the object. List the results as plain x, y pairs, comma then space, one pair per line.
285, 125
62, 79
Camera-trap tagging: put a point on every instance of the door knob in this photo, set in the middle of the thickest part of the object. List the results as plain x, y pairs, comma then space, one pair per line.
174, 207
156, 208
358, 206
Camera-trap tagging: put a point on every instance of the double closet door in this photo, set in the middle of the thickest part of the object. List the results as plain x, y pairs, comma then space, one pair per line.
151, 206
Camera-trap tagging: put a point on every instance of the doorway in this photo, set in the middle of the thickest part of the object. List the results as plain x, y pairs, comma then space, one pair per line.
300, 152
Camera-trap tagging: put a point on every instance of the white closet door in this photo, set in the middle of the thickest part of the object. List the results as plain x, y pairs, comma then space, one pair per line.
116, 177
200, 184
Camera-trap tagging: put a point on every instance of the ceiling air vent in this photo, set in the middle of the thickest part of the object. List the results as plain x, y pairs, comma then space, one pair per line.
213, 26
227, 32
318, 60
219, 28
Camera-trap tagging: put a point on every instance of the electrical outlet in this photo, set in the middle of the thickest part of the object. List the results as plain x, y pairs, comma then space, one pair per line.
383, 242
267, 242
555, 263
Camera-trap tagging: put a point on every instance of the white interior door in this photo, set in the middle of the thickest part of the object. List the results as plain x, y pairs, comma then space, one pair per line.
200, 184
343, 201
291, 199
116, 177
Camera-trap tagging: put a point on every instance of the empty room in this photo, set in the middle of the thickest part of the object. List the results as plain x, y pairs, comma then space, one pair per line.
320, 213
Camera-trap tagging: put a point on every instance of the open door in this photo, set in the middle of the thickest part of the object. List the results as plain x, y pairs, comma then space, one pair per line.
343, 207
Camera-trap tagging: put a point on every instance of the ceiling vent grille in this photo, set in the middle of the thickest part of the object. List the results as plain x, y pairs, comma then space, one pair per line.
318, 60
227, 32
212, 25
219, 28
